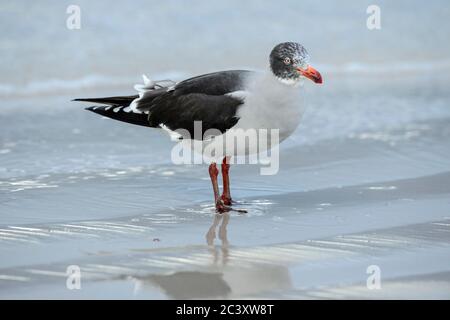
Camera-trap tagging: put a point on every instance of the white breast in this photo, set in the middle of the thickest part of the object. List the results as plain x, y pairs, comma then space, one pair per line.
271, 104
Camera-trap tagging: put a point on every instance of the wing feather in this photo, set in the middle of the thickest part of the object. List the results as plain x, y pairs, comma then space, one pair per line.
207, 98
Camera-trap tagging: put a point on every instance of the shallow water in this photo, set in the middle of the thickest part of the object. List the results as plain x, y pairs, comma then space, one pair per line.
365, 179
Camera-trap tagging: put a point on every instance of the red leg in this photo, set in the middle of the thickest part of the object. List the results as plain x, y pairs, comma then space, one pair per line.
226, 196
213, 173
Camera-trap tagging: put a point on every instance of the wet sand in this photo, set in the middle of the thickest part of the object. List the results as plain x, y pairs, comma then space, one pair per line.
364, 181
105, 197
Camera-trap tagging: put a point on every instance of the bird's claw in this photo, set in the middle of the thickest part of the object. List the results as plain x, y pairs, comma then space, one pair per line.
221, 207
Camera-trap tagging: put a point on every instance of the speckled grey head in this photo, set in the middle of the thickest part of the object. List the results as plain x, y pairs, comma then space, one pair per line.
289, 62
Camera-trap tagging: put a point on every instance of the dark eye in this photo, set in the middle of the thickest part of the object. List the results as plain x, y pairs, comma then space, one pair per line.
287, 61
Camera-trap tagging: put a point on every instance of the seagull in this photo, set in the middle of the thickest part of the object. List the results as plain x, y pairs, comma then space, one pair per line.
222, 102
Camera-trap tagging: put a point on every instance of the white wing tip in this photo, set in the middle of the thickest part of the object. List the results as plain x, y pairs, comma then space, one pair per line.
149, 85
147, 80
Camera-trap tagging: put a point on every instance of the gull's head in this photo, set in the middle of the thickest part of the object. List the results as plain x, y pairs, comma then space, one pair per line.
289, 62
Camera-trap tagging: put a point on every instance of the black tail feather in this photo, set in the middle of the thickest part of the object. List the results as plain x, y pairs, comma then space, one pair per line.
118, 113
112, 101
117, 108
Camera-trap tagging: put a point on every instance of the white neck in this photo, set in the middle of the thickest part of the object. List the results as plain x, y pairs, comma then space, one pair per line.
291, 82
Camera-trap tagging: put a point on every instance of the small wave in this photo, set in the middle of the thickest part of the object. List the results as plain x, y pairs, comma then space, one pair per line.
56, 86
52, 85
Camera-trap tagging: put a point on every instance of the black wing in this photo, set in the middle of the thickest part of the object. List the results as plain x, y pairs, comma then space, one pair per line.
203, 98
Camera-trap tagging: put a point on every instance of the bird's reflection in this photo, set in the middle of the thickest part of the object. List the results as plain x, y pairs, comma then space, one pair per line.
224, 277
223, 237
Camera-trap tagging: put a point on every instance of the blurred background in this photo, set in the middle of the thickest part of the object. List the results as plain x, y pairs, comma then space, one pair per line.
364, 180
119, 41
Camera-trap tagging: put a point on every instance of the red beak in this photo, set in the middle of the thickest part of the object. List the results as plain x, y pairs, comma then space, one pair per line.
311, 74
